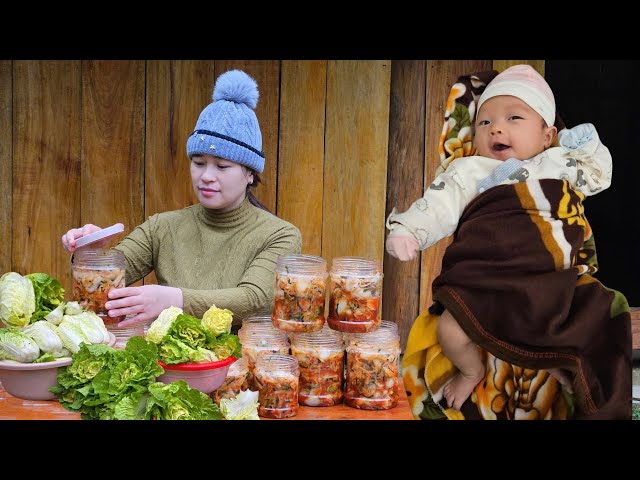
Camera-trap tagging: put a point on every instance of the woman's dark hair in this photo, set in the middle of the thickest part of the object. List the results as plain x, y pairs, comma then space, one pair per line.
252, 198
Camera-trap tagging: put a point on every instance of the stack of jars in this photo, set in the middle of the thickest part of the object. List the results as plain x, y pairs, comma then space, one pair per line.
372, 346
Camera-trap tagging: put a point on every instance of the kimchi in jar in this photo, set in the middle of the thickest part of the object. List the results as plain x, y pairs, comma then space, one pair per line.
277, 378
94, 273
355, 294
320, 357
372, 370
261, 339
236, 381
300, 292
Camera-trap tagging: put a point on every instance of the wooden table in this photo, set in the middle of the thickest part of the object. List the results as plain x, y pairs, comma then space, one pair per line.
12, 408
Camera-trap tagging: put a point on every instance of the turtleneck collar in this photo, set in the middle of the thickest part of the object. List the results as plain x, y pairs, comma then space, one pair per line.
231, 218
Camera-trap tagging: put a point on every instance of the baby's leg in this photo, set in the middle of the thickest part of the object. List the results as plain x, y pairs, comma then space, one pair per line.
464, 354
562, 377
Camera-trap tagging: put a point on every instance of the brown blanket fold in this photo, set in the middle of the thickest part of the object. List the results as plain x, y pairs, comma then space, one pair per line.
512, 279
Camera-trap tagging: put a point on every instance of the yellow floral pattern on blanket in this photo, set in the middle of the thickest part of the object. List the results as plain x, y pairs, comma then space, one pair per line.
507, 392
456, 139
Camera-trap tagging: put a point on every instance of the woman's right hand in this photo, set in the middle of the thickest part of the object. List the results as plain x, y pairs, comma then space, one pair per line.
69, 238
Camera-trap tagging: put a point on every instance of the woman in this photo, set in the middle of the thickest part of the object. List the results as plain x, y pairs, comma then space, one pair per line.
222, 250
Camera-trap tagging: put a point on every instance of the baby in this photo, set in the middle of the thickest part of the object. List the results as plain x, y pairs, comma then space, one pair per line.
514, 132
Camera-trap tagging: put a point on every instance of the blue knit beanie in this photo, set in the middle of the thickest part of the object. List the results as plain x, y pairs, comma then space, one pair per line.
228, 127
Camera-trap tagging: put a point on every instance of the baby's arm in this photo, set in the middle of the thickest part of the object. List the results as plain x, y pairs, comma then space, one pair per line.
435, 215
593, 161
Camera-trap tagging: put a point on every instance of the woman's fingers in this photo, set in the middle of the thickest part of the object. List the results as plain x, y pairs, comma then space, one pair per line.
141, 318
123, 292
69, 238
130, 310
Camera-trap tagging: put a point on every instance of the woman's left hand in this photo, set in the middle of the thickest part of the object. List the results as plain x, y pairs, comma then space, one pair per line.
143, 303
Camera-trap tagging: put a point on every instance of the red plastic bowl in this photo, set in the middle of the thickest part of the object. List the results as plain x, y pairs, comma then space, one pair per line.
197, 366
205, 377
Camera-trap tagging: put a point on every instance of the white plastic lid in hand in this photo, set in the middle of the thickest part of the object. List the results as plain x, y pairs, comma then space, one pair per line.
99, 235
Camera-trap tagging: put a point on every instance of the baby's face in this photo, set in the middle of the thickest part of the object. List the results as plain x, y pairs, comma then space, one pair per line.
506, 127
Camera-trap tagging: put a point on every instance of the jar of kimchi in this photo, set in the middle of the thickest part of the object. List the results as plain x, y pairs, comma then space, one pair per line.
277, 378
94, 273
372, 369
262, 339
236, 381
355, 294
320, 357
300, 292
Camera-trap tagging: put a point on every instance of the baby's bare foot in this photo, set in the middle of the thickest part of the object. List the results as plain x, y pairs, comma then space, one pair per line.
458, 390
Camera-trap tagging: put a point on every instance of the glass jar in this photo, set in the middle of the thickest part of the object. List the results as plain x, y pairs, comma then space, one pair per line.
320, 358
277, 378
300, 292
355, 294
236, 381
94, 273
256, 322
372, 370
392, 327
263, 339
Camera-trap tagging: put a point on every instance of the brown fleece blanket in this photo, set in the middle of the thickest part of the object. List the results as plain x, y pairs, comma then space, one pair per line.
516, 278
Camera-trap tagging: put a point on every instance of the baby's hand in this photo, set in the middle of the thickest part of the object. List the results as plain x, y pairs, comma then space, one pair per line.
403, 247
576, 137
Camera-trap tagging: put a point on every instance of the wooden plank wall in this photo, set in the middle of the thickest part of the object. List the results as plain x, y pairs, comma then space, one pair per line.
301, 149
405, 178
46, 163
6, 164
356, 147
104, 142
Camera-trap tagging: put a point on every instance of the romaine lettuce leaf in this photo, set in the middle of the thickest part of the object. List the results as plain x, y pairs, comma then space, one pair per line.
243, 406
17, 346
161, 325
17, 300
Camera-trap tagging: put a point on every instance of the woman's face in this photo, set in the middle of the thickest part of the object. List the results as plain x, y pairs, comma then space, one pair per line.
219, 184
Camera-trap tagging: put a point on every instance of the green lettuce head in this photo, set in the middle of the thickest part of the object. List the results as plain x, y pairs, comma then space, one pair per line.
161, 325
226, 345
90, 360
177, 401
49, 292
217, 320
172, 351
189, 330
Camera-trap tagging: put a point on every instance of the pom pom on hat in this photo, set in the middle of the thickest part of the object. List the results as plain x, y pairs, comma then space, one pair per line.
228, 127
236, 86
523, 82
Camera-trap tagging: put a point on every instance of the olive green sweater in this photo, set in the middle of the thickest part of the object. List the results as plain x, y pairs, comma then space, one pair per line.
227, 259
